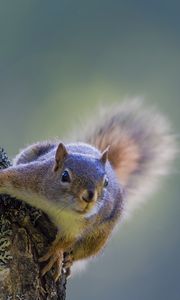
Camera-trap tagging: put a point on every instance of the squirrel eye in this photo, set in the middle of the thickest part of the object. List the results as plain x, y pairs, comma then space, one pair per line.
106, 181
65, 176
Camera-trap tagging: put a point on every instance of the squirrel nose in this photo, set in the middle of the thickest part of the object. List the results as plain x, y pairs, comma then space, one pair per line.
88, 195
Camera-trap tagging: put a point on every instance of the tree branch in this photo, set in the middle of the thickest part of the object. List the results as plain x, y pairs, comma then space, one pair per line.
25, 234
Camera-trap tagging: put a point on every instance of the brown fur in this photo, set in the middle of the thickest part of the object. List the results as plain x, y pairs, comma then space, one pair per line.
123, 153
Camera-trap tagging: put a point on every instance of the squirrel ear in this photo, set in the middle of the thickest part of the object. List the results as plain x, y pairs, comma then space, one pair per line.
61, 153
104, 156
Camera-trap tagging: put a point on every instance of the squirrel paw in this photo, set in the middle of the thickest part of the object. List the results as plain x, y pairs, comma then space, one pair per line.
55, 257
67, 263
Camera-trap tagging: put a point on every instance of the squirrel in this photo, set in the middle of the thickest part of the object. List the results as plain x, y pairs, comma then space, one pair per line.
87, 186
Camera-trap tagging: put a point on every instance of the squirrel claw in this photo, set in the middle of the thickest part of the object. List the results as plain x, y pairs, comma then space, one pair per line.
45, 257
67, 263
55, 257
58, 269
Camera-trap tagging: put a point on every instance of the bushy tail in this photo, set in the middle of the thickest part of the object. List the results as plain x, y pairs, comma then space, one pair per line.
141, 146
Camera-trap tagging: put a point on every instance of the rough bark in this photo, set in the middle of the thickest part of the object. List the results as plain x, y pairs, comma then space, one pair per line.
25, 234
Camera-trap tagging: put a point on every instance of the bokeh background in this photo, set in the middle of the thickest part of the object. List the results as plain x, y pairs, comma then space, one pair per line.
58, 60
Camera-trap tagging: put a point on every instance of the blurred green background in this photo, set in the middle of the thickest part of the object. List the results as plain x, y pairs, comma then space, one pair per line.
58, 61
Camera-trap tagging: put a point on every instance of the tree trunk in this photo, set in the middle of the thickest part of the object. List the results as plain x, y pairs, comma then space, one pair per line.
25, 234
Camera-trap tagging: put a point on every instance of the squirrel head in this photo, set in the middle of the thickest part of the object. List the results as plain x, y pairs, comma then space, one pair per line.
81, 177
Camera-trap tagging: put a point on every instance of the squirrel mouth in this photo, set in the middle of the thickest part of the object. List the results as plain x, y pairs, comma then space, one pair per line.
83, 210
